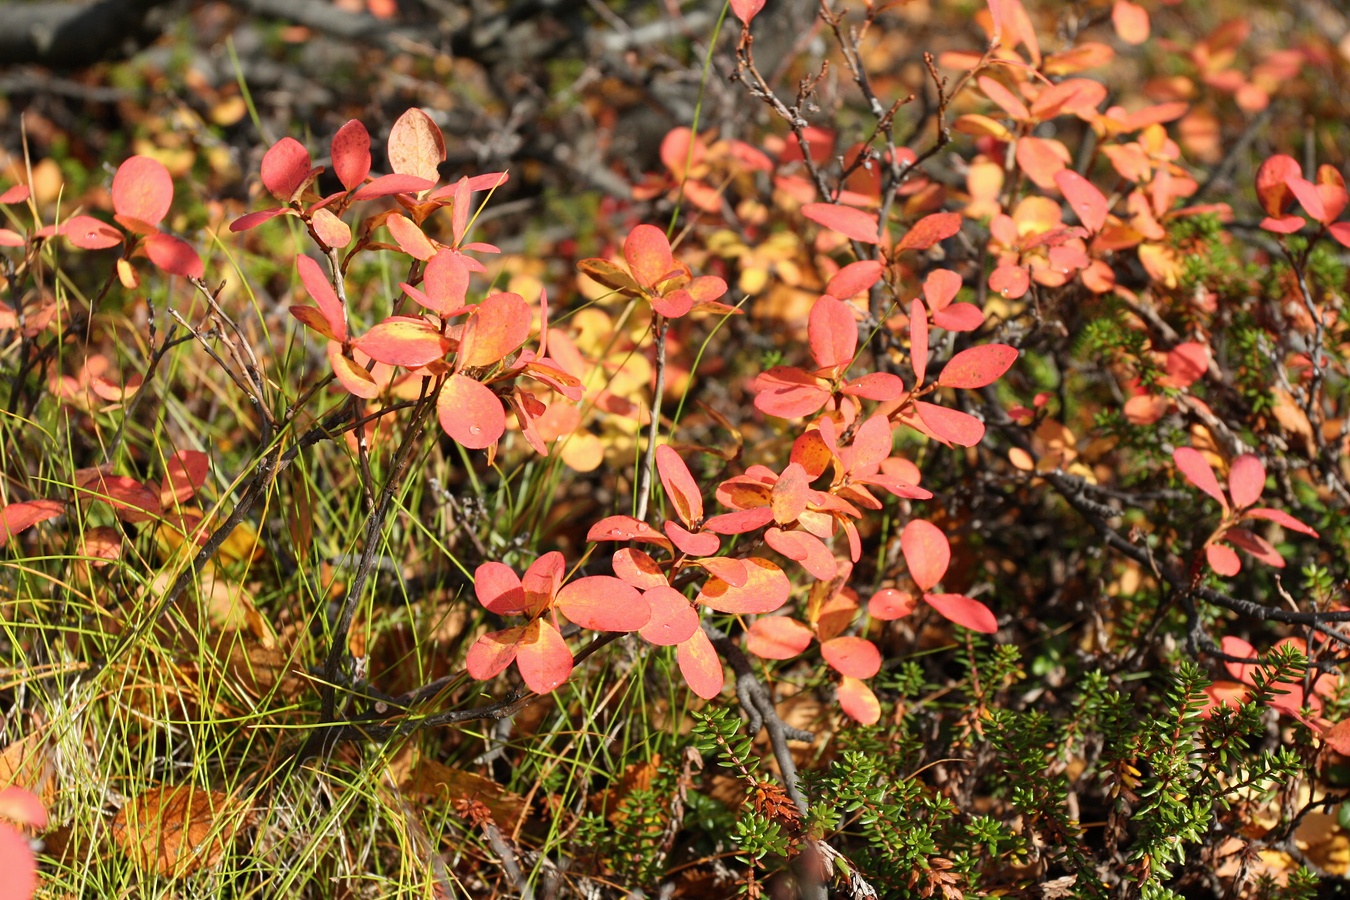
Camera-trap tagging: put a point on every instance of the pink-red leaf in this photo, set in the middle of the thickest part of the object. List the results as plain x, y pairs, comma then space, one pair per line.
1246, 480
852, 656
89, 233
855, 278
701, 544
806, 549
700, 666
311, 275
17, 517
851, 223
929, 230
673, 620
1236, 646
977, 366
353, 378
396, 183
647, 252
740, 521
183, 476
1087, 201
499, 590
1223, 559
1279, 517
493, 652
403, 341
142, 190
1196, 468
745, 10
890, 604
964, 611
858, 701
351, 154
927, 552
777, 637
470, 412
18, 864
174, 255
833, 332
951, 425
680, 486
603, 603
285, 168
625, 528
543, 657
499, 325
918, 341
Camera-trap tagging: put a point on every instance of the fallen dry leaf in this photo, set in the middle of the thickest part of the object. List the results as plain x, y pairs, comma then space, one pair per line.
177, 829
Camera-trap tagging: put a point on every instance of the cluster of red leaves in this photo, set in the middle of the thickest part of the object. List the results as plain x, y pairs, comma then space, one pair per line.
17, 862
1246, 481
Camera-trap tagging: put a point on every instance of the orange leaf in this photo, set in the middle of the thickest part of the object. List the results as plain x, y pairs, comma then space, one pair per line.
638, 569
470, 412
854, 278
353, 378
625, 528
790, 494
17, 517
833, 332
950, 425
857, 701
542, 657
497, 328
1084, 197
680, 486
890, 604
1130, 21
410, 239
766, 588
499, 589
647, 252
806, 549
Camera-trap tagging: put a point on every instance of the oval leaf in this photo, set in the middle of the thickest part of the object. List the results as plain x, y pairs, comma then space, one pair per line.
964, 611
603, 603
977, 366
700, 666
143, 190
416, 146
853, 656
778, 637
926, 551
851, 223
673, 620
766, 588
470, 413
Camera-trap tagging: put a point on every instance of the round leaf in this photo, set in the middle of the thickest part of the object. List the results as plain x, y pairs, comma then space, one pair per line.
926, 551
470, 413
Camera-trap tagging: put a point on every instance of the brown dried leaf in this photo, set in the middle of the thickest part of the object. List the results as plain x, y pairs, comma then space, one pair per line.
178, 828
428, 779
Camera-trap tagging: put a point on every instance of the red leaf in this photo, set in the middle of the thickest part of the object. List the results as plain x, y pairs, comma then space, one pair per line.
446, 281
1279, 517
24, 807
777, 637
638, 569
331, 231
15, 194
543, 657
1010, 281
790, 494
397, 183
951, 425
142, 190
977, 366
940, 288
929, 230
470, 413
322, 291
403, 341
732, 571
680, 486
852, 656
174, 255
833, 332
493, 652
1337, 737
1196, 468
132, 500
1236, 646
603, 603
926, 551
183, 477
499, 590
625, 528
1246, 480
1005, 99
851, 223
741, 521
918, 340
285, 168
701, 544
806, 549
766, 588
700, 666
647, 252
964, 611
1272, 184
497, 328
745, 10
673, 620
788, 392
891, 604
854, 278
1130, 21
672, 305
857, 701
17, 862
875, 386
89, 233
17, 517
416, 147
1083, 196
1223, 559
960, 317
351, 154
1256, 545
253, 219
1041, 159
1187, 362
